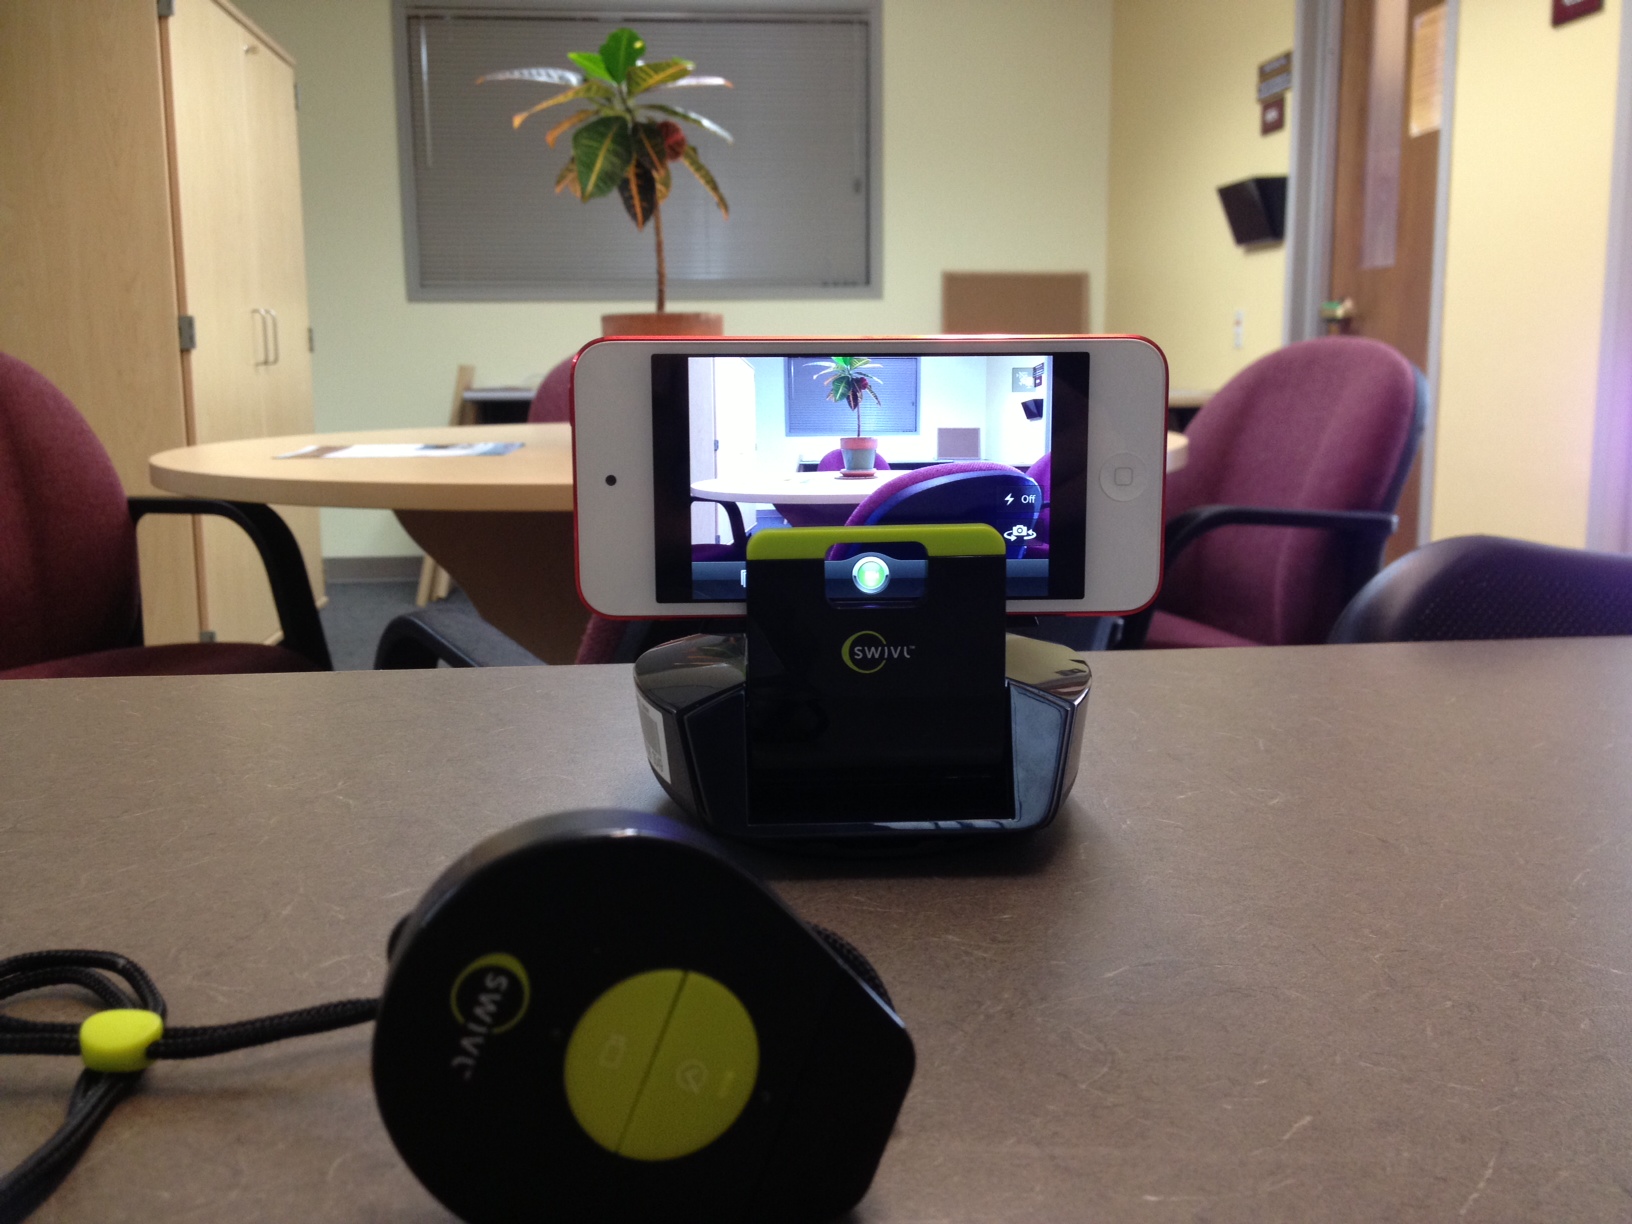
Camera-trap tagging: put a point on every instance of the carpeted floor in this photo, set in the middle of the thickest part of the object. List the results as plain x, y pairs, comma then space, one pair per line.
356, 615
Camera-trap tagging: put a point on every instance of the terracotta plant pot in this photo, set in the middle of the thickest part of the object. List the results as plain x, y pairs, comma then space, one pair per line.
664, 323
858, 453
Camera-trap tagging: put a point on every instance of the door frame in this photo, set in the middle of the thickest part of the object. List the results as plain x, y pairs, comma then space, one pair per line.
1316, 68
1609, 491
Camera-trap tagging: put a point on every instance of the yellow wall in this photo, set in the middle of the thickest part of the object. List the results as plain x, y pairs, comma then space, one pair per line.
1184, 120
996, 134
1524, 278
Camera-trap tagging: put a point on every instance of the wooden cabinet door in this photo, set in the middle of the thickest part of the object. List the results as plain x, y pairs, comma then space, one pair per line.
279, 246
215, 227
207, 83
237, 178
87, 267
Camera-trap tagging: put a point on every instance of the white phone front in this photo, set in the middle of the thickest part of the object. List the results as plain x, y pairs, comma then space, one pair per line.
683, 447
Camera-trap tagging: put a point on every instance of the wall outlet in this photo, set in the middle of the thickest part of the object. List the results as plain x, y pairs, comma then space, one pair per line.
1239, 332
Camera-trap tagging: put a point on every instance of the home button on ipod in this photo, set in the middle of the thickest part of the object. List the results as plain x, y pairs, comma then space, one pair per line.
1122, 476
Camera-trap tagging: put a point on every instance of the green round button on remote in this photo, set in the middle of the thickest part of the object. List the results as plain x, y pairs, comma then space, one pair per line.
661, 1064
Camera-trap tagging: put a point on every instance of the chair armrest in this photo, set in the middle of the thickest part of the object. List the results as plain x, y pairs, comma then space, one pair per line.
1363, 525
280, 553
733, 514
450, 631
1365, 532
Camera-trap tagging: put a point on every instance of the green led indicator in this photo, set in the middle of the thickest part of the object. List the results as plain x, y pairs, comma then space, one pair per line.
871, 575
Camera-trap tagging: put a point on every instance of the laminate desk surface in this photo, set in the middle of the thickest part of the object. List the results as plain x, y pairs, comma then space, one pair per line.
1323, 932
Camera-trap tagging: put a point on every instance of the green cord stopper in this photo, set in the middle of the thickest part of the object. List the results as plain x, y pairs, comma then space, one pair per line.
118, 1039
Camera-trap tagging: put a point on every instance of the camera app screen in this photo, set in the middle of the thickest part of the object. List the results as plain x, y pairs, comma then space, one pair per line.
744, 444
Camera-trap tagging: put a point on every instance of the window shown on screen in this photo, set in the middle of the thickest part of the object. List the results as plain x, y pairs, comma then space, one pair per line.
812, 414
483, 220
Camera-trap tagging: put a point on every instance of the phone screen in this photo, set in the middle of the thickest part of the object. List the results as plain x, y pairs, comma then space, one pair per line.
752, 442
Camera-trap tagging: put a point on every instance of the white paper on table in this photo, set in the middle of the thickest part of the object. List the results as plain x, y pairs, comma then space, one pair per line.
404, 450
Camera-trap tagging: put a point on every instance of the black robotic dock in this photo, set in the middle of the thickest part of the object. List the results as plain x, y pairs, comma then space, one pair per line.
861, 706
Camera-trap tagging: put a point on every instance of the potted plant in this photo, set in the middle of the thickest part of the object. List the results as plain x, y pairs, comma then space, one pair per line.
847, 379
624, 145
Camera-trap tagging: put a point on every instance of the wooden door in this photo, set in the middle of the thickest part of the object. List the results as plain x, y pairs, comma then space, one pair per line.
1387, 176
285, 380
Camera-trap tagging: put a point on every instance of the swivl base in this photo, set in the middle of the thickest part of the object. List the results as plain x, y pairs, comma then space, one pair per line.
874, 696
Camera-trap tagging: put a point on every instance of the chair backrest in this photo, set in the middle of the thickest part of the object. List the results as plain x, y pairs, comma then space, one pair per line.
553, 399
1043, 473
1471, 587
970, 491
1329, 424
67, 544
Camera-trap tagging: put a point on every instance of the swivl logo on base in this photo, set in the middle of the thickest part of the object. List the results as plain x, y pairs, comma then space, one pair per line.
866, 652
490, 997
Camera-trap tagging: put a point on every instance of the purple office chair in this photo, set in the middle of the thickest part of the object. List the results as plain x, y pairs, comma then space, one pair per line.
552, 401
69, 595
1281, 515
825, 516
1043, 473
969, 491
1480, 587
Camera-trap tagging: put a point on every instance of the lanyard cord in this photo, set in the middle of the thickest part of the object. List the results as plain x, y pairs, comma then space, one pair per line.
119, 982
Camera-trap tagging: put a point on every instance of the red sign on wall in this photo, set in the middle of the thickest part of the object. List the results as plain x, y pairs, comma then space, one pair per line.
1272, 115
1569, 10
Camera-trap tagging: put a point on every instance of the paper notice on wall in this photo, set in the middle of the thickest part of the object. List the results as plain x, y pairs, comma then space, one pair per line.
1427, 71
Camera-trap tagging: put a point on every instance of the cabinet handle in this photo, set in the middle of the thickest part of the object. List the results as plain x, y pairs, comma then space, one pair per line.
265, 356
277, 338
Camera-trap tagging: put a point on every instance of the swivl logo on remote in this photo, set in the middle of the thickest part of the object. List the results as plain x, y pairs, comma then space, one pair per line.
866, 652
490, 997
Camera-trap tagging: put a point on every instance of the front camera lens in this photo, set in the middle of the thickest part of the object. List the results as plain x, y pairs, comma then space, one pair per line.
870, 574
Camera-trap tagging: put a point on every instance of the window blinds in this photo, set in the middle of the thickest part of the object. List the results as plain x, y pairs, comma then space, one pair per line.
812, 414
485, 222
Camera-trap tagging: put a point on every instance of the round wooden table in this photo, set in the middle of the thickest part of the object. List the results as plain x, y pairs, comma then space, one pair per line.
835, 488
501, 525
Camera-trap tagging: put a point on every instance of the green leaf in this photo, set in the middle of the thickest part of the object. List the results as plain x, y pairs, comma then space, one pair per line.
638, 187
649, 76
588, 89
550, 76
566, 125
696, 166
591, 64
691, 117
568, 178
603, 151
619, 53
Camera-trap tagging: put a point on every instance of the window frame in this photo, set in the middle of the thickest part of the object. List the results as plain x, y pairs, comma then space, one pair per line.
624, 290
